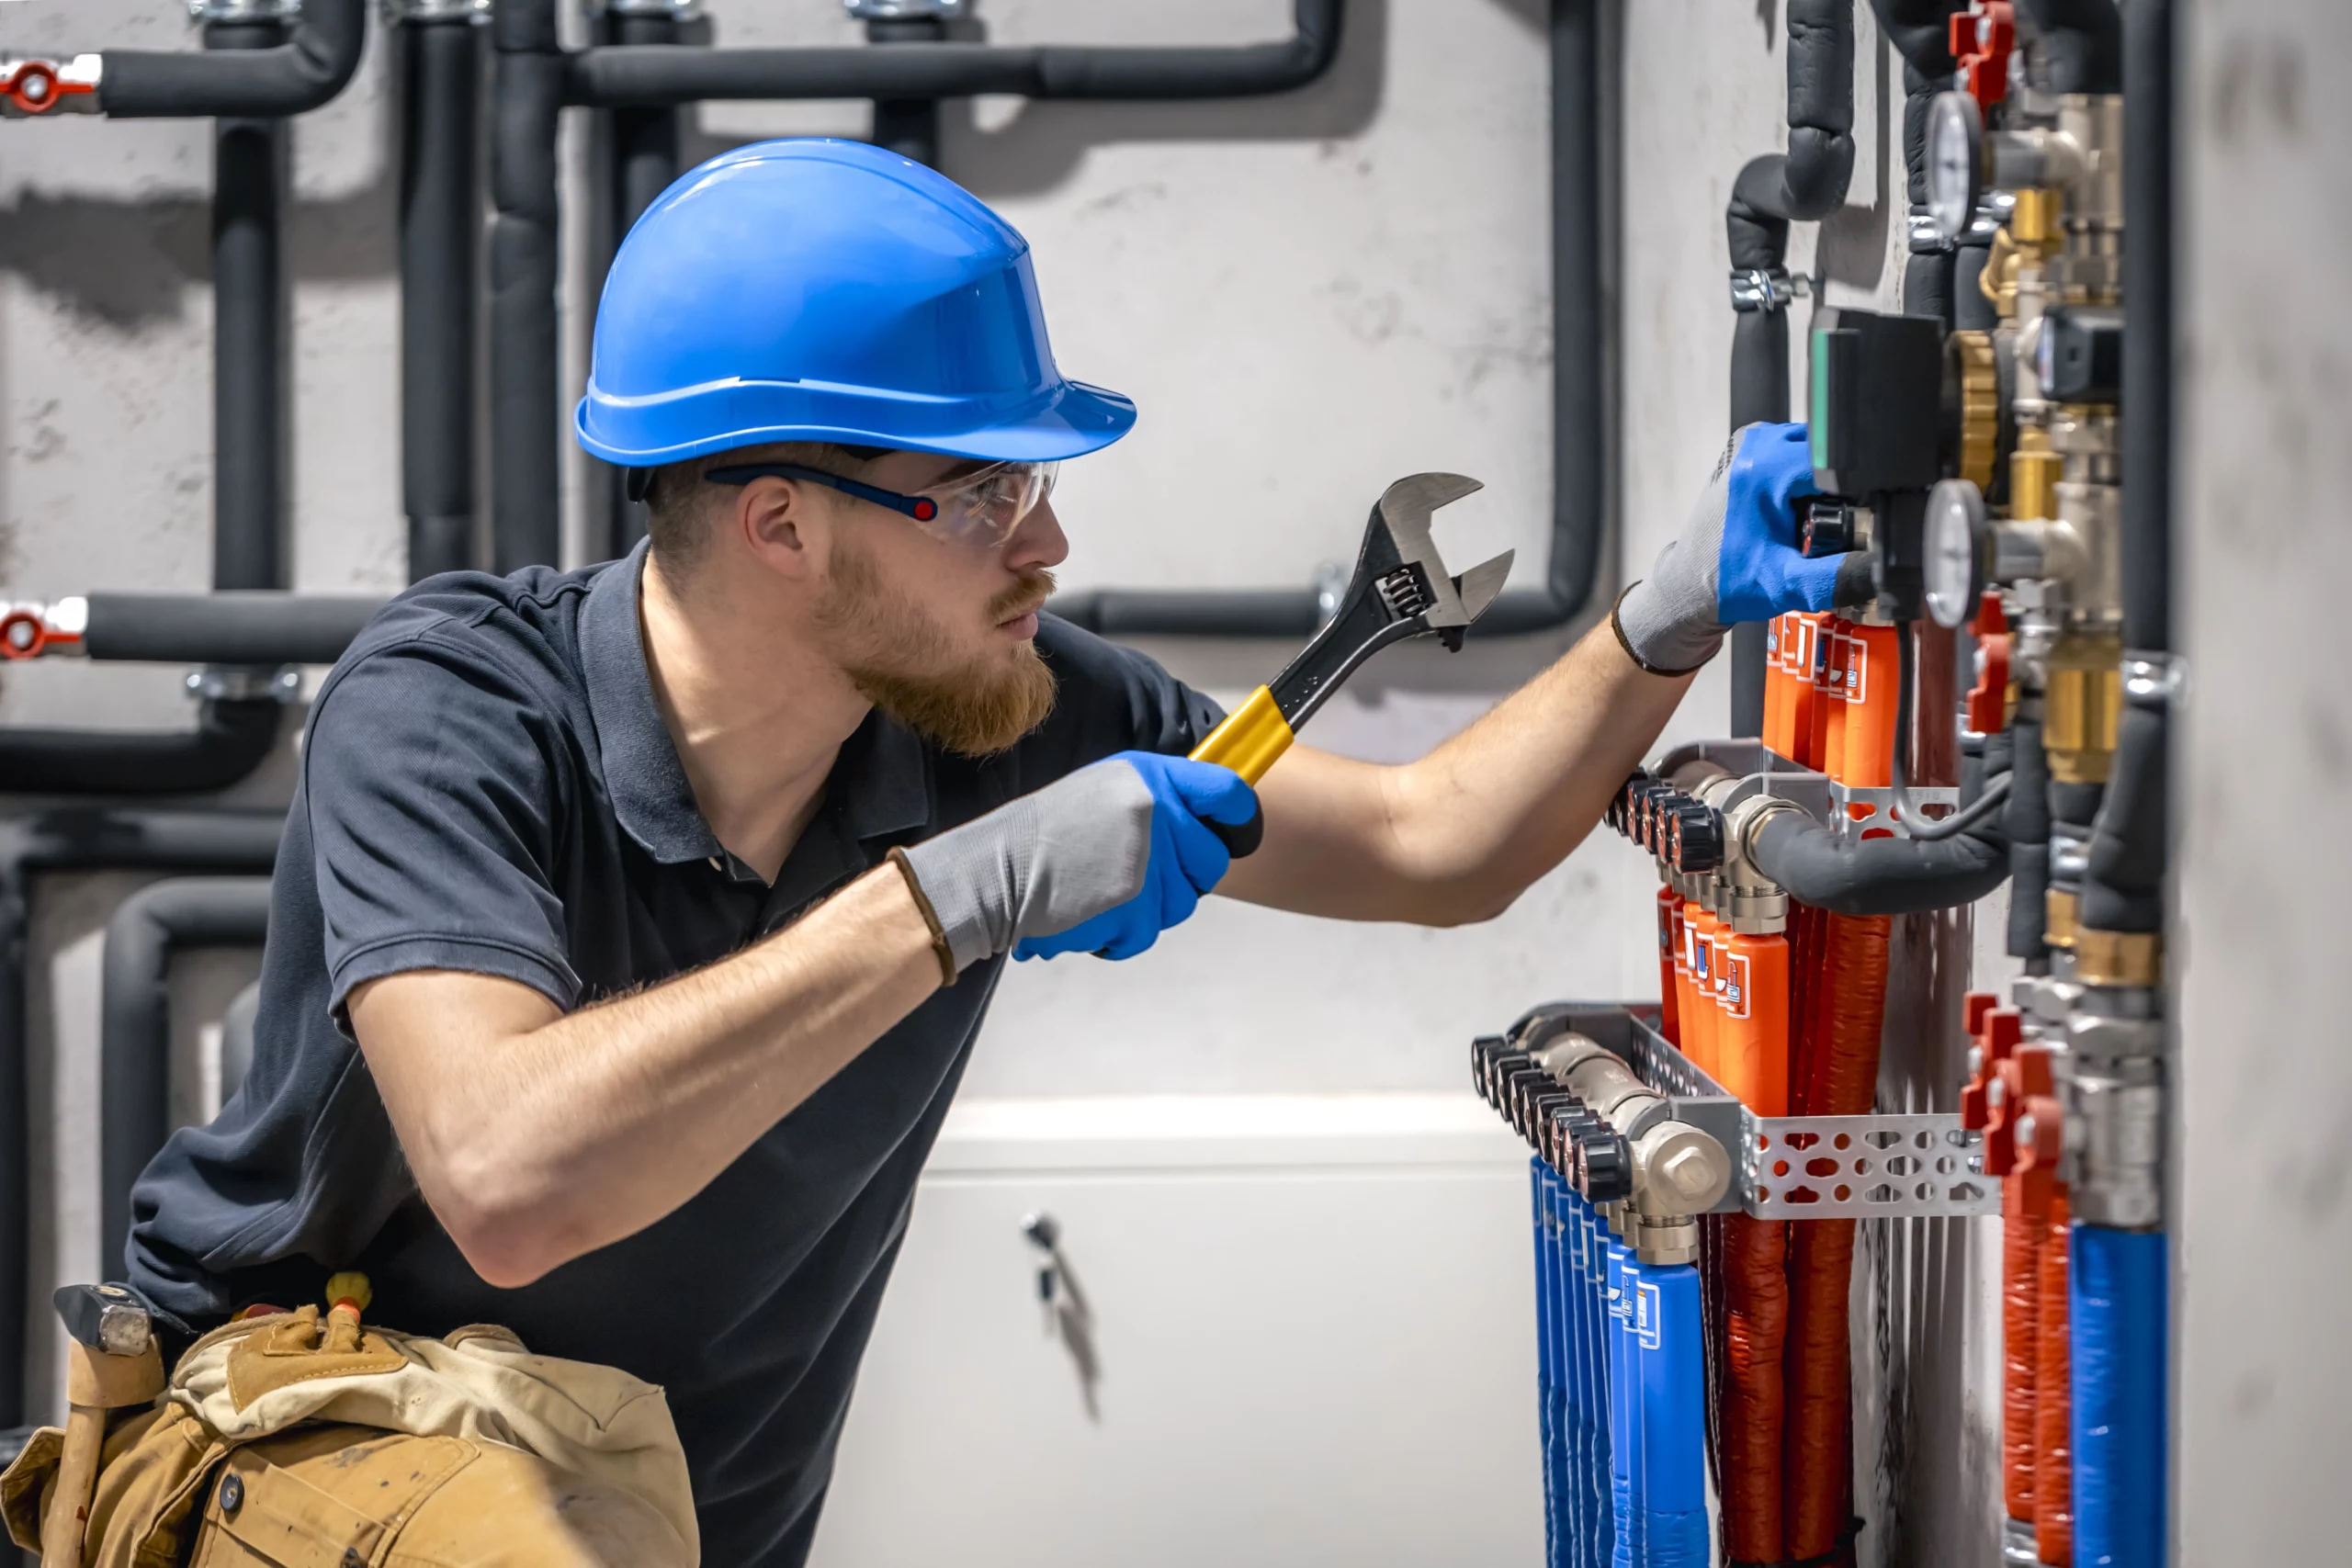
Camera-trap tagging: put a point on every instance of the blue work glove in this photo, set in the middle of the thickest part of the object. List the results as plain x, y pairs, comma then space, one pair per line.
1737, 557
1102, 861
1187, 857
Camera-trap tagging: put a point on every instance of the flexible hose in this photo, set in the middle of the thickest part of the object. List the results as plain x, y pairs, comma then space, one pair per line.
2117, 1310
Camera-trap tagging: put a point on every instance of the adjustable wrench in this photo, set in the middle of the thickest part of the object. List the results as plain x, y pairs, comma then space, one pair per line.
1400, 590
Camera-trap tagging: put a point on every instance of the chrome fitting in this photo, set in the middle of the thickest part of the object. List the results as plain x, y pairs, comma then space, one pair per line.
2154, 677
2115, 1137
235, 684
1774, 289
676, 10
905, 10
428, 11
30, 88
1925, 239
202, 11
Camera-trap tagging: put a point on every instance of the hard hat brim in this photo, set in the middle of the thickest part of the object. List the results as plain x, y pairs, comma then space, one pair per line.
1069, 420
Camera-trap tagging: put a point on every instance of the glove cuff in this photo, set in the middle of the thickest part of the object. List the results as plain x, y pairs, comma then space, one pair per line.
1657, 641
940, 945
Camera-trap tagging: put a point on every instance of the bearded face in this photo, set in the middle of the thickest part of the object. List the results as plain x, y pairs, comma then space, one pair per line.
968, 689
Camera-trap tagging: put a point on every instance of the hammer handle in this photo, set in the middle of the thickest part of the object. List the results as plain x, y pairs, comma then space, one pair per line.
68, 1515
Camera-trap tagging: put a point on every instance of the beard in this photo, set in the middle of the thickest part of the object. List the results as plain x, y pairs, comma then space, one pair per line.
904, 662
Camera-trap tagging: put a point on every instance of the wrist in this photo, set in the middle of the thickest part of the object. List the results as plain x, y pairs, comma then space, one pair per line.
940, 948
1657, 639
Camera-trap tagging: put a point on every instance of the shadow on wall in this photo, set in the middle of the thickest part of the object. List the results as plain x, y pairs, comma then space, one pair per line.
128, 264
1851, 242
1041, 148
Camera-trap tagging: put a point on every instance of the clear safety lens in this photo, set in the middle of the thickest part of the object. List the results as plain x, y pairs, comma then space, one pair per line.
991, 502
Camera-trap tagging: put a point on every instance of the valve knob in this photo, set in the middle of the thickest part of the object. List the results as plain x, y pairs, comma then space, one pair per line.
1982, 42
1832, 526
1696, 836
1605, 1168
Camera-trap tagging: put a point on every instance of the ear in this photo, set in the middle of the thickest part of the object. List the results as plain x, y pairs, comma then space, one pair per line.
784, 524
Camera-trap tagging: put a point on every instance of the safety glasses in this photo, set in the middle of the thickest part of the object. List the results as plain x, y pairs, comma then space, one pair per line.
987, 504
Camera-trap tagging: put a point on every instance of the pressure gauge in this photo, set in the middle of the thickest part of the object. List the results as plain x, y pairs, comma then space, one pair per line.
1954, 567
1955, 163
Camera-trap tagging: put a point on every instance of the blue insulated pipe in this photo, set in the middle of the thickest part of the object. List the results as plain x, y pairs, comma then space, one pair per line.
1627, 1550
1671, 1479
1547, 1371
2117, 1290
1560, 1477
1575, 1248
1601, 1503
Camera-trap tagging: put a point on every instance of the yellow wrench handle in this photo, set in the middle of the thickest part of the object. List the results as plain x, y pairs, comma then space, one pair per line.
1252, 738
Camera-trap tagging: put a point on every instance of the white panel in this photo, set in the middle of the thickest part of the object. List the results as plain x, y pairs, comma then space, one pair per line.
1311, 1323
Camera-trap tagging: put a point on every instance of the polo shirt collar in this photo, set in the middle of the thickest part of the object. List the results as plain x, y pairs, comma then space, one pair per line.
881, 781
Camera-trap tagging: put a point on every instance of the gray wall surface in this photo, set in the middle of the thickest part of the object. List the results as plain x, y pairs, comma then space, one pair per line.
2264, 1123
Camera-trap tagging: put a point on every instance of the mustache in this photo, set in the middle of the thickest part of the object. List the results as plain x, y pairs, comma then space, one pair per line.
1036, 586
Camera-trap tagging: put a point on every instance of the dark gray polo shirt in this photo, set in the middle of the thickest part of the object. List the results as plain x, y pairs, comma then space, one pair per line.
487, 785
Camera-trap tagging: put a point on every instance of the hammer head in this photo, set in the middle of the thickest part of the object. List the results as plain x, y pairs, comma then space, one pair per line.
107, 1318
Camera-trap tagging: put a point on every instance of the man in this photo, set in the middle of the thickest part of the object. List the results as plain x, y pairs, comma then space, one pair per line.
633, 924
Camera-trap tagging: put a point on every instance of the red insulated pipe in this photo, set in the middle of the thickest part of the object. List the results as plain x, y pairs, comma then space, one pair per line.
2024, 1220
2053, 1460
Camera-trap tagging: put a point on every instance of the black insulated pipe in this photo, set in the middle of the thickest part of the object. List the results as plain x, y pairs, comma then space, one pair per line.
231, 738
2026, 822
908, 127
2147, 327
2125, 875
248, 337
525, 417
232, 627
2082, 44
311, 64
135, 1024
1921, 33
644, 148
82, 839
1806, 183
1889, 876
440, 240
1579, 406
619, 76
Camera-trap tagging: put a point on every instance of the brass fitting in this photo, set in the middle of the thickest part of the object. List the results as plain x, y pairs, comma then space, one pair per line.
2118, 958
2059, 924
2082, 698
1975, 365
2034, 470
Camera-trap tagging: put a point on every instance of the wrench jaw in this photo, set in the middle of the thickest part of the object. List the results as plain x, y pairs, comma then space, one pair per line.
1400, 590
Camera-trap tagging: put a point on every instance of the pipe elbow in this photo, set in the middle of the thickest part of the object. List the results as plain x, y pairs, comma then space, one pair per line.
315, 63
1876, 876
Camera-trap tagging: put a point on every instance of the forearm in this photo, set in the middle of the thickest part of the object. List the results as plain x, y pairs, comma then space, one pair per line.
1497, 805
1455, 837
545, 1143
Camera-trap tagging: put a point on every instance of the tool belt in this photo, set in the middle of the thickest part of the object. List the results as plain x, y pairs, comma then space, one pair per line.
303, 1442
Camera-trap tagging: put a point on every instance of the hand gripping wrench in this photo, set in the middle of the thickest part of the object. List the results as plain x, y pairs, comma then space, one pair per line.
1400, 590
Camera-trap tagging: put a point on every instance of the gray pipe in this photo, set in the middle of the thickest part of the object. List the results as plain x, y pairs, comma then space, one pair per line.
248, 340
82, 839
643, 144
229, 627
908, 127
441, 231
1888, 876
1580, 450
525, 412
135, 1022
620, 76
311, 64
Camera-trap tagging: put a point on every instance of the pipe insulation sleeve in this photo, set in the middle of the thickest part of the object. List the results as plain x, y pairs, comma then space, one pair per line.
1755, 1316
2022, 1224
1580, 446
314, 64
1669, 1342
80, 838
135, 1022
248, 336
2117, 1310
2124, 884
2025, 822
1877, 876
649, 75
525, 413
2053, 1446
230, 739
2147, 415
440, 249
1539, 1208
1624, 1409
229, 627
2081, 43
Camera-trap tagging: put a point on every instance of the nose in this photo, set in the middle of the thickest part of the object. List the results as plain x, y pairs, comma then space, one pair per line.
1039, 541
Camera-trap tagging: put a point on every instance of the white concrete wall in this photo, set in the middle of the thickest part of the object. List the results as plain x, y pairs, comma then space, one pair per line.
2264, 1397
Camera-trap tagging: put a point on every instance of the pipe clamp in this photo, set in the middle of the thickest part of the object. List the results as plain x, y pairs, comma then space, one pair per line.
474, 11
235, 684
1768, 289
202, 11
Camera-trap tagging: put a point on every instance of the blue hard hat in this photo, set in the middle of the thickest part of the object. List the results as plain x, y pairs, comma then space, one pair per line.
812, 290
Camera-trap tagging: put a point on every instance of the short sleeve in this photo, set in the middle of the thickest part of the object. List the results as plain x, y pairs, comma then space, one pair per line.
433, 783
